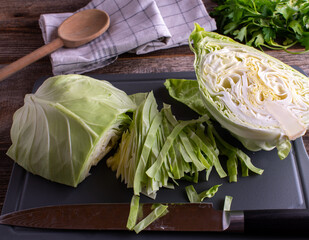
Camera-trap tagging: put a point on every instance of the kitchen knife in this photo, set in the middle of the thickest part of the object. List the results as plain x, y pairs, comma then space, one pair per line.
180, 217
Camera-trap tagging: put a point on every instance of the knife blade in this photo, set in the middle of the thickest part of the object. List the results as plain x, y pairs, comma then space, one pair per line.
114, 216
180, 217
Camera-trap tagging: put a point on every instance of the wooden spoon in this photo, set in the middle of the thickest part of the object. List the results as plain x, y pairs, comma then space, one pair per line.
75, 31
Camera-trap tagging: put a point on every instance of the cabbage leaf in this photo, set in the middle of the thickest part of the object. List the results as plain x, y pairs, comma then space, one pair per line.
68, 125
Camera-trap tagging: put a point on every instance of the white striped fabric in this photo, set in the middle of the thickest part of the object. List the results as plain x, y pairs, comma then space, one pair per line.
139, 26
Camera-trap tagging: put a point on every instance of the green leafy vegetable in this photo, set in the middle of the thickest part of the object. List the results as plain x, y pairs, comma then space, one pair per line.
156, 213
187, 92
157, 149
195, 197
227, 203
260, 100
134, 223
265, 23
67, 126
133, 214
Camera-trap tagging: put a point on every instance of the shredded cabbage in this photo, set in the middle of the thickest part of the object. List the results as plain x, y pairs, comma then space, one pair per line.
195, 197
227, 203
133, 214
157, 150
159, 211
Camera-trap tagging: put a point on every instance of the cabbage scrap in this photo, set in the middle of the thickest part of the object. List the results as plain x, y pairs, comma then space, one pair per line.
260, 100
136, 212
159, 211
227, 203
195, 197
67, 126
133, 214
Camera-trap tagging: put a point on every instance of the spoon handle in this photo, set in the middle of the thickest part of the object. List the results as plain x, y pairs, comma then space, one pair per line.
30, 58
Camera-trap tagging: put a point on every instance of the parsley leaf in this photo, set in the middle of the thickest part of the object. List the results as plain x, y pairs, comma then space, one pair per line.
304, 41
276, 24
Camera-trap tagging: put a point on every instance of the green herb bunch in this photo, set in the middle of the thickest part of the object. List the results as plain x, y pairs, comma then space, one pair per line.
276, 24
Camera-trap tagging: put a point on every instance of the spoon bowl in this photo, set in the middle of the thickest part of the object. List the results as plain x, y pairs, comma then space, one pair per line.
83, 27
79, 29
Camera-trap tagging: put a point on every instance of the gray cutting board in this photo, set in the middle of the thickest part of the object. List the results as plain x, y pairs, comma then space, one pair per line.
284, 183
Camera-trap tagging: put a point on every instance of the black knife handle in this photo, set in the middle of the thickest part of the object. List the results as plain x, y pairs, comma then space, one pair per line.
288, 221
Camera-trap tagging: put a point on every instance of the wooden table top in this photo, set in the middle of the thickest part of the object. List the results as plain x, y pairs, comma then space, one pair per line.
20, 34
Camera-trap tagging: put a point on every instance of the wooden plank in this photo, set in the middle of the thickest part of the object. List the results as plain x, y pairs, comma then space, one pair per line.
16, 44
24, 14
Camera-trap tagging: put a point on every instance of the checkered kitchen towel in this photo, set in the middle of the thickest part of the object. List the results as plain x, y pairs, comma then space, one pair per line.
139, 26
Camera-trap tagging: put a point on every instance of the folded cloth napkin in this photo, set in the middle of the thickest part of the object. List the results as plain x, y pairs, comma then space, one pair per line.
139, 26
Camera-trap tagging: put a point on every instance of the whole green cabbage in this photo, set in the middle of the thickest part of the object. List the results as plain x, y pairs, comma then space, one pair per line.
67, 126
259, 99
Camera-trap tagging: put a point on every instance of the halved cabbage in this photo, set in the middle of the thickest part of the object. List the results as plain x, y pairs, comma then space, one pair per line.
259, 99
67, 126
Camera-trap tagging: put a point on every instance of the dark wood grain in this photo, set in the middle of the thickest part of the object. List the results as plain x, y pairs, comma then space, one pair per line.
20, 34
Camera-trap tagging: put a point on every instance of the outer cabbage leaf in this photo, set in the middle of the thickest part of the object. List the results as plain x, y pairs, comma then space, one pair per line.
68, 125
187, 91
259, 99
